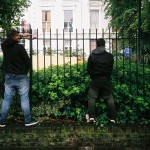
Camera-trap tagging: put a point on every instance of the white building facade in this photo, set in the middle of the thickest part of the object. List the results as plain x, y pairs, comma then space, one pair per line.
63, 24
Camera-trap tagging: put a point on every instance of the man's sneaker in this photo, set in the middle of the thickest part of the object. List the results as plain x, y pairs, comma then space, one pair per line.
92, 120
88, 119
31, 123
2, 124
112, 121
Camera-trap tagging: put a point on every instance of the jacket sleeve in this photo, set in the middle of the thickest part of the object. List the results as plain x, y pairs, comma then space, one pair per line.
112, 64
89, 65
25, 58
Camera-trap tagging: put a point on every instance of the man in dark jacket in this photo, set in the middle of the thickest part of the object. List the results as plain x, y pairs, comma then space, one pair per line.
99, 67
16, 64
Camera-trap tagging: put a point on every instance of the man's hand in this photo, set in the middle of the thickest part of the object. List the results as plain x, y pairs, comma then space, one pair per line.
25, 35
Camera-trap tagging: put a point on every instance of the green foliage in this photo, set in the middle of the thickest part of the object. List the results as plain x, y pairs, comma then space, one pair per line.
11, 11
67, 84
49, 51
131, 86
126, 15
61, 93
125, 18
1, 59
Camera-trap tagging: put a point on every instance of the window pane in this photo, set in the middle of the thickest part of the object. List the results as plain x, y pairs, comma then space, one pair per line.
68, 16
70, 27
65, 24
48, 16
46, 20
44, 25
94, 19
48, 26
43, 15
68, 20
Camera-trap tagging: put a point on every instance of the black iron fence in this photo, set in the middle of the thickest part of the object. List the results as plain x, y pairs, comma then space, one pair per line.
73, 48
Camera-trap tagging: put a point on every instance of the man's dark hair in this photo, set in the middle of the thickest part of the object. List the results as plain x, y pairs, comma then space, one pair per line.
12, 32
100, 42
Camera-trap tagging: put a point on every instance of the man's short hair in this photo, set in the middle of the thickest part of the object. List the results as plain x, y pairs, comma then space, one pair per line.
100, 42
12, 32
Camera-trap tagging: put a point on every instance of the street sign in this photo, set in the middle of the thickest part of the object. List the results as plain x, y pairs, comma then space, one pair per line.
127, 52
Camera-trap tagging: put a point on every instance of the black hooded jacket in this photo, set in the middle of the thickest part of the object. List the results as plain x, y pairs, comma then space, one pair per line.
100, 63
15, 58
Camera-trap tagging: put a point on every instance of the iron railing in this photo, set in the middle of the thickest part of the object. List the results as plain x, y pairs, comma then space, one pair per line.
48, 49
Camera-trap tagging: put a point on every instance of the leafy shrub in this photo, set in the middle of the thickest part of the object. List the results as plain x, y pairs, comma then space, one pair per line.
64, 84
68, 86
61, 92
131, 86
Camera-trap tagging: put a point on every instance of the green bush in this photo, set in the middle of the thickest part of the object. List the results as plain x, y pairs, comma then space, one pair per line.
63, 89
61, 92
131, 92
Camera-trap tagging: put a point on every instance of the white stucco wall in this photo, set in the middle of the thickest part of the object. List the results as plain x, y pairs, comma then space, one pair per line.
81, 20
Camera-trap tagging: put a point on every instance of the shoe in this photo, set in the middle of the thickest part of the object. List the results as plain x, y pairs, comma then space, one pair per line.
92, 120
112, 121
2, 124
31, 123
88, 119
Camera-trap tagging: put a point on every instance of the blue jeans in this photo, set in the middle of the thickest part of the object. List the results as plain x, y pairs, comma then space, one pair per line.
21, 83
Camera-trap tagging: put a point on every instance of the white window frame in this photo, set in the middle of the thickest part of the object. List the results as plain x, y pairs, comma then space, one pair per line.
46, 21
97, 20
69, 23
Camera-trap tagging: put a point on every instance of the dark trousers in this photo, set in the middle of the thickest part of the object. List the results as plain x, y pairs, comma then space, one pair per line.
101, 86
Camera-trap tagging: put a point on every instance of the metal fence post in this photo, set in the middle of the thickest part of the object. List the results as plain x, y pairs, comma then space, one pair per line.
30, 93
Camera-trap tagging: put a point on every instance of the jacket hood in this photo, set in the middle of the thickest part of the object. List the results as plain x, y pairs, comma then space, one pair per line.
8, 43
99, 50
